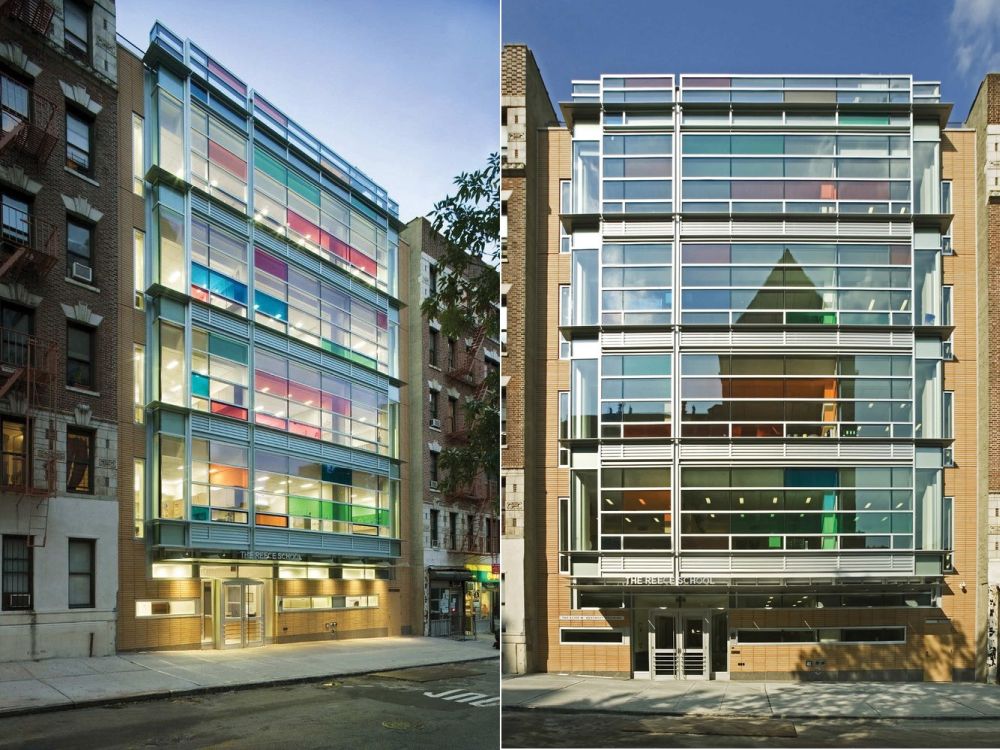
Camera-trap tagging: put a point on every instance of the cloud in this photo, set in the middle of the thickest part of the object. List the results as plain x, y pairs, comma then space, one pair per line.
975, 30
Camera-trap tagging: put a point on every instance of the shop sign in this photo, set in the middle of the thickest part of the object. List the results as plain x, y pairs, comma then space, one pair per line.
290, 556
592, 618
496, 569
668, 581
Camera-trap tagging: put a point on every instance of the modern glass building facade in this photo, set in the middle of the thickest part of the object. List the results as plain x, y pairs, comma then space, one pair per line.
755, 473
271, 390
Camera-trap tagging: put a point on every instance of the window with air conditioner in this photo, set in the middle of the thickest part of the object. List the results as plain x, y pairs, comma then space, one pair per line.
79, 245
16, 573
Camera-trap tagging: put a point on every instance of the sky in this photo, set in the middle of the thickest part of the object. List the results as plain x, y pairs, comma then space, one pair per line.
952, 41
406, 91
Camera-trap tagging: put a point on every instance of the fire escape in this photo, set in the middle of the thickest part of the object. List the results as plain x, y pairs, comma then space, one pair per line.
36, 14
28, 251
479, 496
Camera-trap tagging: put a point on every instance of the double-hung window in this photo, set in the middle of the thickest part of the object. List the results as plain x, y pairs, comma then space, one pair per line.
79, 460
76, 29
16, 576
81, 573
79, 142
79, 356
79, 242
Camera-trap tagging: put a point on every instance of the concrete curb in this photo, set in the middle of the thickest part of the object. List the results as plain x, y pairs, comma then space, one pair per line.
782, 717
70, 705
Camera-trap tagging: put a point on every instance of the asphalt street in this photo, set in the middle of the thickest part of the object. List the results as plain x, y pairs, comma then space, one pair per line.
537, 728
453, 706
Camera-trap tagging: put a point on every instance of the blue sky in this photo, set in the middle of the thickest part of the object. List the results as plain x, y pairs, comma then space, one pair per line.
405, 91
954, 41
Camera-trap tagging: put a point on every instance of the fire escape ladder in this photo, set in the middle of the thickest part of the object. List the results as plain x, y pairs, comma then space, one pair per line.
11, 381
462, 370
37, 14
11, 135
38, 521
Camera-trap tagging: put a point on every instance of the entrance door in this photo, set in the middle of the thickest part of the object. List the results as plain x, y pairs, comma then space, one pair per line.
243, 614
680, 646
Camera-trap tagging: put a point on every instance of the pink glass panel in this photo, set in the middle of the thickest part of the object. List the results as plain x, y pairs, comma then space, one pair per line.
722, 83
340, 248
226, 76
762, 189
303, 226
341, 405
804, 190
269, 421
649, 83
382, 320
227, 159
198, 293
706, 254
899, 255
270, 264
271, 111
303, 429
327, 401
874, 190
304, 394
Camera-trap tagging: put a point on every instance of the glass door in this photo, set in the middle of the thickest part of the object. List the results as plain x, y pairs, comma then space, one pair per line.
663, 644
694, 647
640, 644
207, 614
242, 614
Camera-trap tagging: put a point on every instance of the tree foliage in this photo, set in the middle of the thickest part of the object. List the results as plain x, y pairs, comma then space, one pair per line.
467, 299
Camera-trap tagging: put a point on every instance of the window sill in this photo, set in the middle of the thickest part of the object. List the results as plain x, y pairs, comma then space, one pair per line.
82, 176
84, 391
433, 367
82, 285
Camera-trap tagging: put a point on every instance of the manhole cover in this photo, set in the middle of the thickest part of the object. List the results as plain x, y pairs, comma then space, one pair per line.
403, 726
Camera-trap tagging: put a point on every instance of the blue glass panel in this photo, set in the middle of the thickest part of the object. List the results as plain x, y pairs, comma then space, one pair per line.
810, 477
270, 306
334, 473
227, 287
200, 275
199, 385
706, 300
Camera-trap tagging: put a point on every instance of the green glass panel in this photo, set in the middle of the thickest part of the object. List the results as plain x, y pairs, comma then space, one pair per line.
706, 144
341, 512
228, 348
758, 144
326, 511
820, 318
199, 514
864, 119
361, 359
830, 520
327, 345
383, 517
303, 187
360, 514
199, 385
269, 165
774, 542
303, 506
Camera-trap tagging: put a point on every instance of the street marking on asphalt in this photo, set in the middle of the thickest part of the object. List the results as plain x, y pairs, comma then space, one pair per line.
480, 700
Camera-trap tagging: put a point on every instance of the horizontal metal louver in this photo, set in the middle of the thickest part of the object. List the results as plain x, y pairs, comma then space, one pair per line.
659, 565
636, 453
792, 228
219, 534
797, 452
314, 449
638, 229
797, 566
820, 341
637, 339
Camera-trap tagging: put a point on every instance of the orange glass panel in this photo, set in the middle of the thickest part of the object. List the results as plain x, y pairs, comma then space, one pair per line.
646, 500
228, 476
264, 519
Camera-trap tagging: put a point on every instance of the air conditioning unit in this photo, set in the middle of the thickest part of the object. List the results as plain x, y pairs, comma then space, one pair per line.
433, 484
949, 456
83, 272
436, 423
20, 601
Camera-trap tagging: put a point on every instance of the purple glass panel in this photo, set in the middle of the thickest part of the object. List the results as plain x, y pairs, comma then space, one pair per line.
868, 190
755, 189
271, 265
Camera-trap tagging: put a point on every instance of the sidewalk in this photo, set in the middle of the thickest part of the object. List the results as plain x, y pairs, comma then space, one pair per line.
30, 686
777, 700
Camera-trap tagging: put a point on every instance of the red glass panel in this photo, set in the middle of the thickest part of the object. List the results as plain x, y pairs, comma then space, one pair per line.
304, 429
757, 430
269, 421
272, 384
363, 262
270, 264
805, 190
227, 159
303, 226
705, 430
198, 293
304, 394
645, 430
382, 320
753, 388
340, 248
229, 411
265, 519
327, 402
